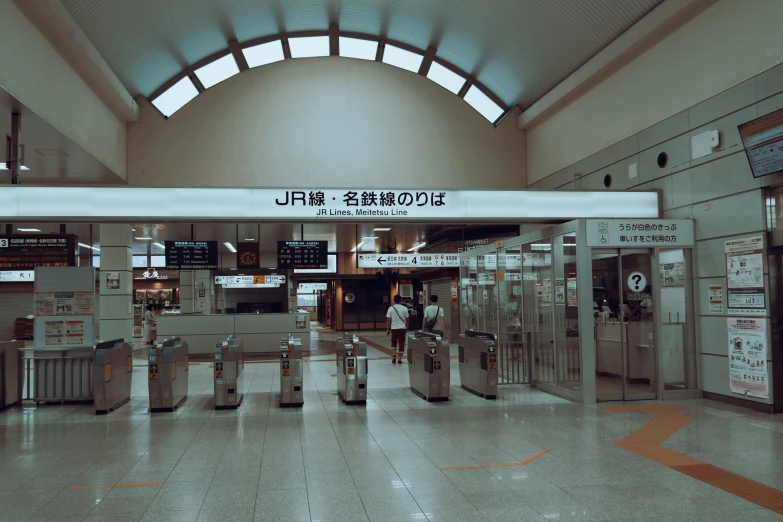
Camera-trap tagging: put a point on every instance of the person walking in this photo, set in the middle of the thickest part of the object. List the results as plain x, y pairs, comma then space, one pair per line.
433, 316
397, 326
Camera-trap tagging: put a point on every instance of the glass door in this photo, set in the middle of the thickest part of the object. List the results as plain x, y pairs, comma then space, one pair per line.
626, 362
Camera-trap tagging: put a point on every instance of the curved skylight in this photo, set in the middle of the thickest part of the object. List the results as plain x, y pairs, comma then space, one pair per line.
402, 58
358, 48
217, 71
309, 46
176, 97
483, 104
264, 53
445, 78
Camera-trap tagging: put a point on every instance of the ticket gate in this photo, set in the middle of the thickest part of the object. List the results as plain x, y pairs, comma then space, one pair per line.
111, 375
291, 393
428, 366
478, 363
168, 374
229, 366
352, 370
11, 378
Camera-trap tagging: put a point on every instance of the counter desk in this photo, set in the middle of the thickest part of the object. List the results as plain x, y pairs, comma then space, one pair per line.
259, 333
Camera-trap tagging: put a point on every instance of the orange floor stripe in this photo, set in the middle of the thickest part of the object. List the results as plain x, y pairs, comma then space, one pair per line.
526, 461
647, 440
106, 486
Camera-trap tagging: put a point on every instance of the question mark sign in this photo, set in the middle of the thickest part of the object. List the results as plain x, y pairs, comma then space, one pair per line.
637, 279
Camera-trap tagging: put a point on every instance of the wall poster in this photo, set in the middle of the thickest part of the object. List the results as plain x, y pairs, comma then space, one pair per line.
571, 292
673, 275
560, 291
748, 357
745, 276
716, 299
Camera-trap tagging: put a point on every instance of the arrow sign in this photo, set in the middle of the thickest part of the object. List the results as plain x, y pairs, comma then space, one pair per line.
381, 260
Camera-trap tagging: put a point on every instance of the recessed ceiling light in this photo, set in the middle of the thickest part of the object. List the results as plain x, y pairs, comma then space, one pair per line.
143, 238
159, 245
250, 239
28, 229
230, 247
416, 247
133, 229
357, 247
272, 268
381, 229
3, 166
372, 238
90, 247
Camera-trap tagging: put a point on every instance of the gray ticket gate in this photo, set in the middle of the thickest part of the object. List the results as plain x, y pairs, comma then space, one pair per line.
112, 375
168, 374
428, 366
291, 393
478, 363
10, 374
229, 366
352, 370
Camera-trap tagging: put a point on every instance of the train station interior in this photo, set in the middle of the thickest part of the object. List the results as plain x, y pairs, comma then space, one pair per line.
382, 261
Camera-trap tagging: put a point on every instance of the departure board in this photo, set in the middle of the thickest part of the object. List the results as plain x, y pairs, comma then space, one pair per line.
191, 255
302, 255
25, 252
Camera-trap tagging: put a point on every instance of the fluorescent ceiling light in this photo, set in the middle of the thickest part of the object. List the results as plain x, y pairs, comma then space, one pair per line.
230, 247
541, 245
264, 54
402, 58
176, 97
28, 229
309, 46
372, 238
4, 166
446, 78
381, 229
89, 247
358, 48
357, 247
159, 245
133, 229
416, 247
251, 239
143, 238
217, 71
481, 102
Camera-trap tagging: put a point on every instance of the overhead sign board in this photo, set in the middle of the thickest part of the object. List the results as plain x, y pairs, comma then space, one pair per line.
251, 279
312, 255
25, 252
127, 204
311, 287
407, 260
639, 233
251, 285
17, 276
191, 255
763, 142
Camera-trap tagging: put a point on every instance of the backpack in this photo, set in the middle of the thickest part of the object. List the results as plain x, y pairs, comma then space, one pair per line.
430, 324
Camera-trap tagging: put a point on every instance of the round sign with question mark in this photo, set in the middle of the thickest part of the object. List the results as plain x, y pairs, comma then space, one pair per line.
637, 281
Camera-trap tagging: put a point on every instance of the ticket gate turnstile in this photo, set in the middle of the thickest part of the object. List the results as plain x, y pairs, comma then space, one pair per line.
229, 365
168, 374
352, 370
428, 366
291, 392
478, 363
111, 375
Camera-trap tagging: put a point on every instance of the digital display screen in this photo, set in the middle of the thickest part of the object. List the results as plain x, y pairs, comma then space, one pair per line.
191, 255
763, 142
302, 255
25, 252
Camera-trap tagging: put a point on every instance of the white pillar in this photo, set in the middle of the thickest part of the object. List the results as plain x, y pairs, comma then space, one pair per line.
187, 303
116, 302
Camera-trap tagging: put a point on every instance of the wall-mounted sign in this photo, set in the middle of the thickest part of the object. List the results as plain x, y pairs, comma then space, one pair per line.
716, 299
407, 260
637, 281
247, 254
350, 298
639, 233
251, 285
17, 276
191, 255
763, 142
25, 252
312, 287
300, 255
745, 276
251, 280
129, 204
748, 357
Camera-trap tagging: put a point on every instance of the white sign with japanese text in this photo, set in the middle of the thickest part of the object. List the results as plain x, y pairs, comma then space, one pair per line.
748, 356
311, 287
17, 276
645, 233
250, 280
407, 260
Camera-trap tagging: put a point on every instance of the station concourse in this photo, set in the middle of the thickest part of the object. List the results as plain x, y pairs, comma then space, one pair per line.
386, 261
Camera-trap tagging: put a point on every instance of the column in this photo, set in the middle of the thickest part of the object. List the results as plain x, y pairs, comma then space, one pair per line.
116, 282
187, 304
204, 291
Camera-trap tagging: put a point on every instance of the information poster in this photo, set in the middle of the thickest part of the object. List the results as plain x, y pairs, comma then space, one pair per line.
748, 357
716, 299
559, 291
112, 280
673, 275
745, 276
546, 291
55, 330
571, 292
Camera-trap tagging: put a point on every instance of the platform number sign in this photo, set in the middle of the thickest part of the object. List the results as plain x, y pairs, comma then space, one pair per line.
3, 243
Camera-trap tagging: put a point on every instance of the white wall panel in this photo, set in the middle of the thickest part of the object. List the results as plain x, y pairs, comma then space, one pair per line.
718, 179
730, 100
732, 215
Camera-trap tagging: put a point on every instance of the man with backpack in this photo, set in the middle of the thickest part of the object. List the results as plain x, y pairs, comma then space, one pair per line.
397, 326
433, 316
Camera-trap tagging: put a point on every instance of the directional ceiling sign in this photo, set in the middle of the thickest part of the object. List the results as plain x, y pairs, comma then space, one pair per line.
407, 260
250, 279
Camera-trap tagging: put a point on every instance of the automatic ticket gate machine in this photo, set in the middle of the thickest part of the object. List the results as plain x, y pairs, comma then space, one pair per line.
229, 365
168, 374
478, 363
352, 370
428, 366
111, 375
291, 393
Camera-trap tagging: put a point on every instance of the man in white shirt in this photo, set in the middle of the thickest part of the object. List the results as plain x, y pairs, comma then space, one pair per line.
433, 316
397, 326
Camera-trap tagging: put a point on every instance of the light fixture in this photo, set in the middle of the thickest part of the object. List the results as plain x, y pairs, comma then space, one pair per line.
381, 229
357, 247
233, 268
416, 247
176, 97
143, 238
263, 54
371, 238
272, 268
250, 239
3, 166
133, 229
230, 247
28, 229
159, 245
90, 247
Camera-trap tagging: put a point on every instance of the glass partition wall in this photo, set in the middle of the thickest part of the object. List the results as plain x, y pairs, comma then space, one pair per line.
585, 323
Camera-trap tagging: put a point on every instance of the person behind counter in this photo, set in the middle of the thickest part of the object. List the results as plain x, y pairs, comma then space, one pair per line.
397, 325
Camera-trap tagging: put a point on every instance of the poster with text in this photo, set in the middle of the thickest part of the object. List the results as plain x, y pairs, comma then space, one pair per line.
748, 357
560, 291
716, 299
745, 276
571, 292
673, 275
112, 280
54, 333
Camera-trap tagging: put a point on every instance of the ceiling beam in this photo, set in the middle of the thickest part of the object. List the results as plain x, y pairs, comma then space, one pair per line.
239, 57
468, 84
286, 48
379, 51
193, 78
334, 40
426, 63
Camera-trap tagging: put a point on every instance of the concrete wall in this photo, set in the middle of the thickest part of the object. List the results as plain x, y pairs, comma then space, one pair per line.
328, 122
722, 47
717, 190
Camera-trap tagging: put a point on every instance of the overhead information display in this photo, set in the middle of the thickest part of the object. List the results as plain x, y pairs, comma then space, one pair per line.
191, 255
302, 255
26, 252
250, 279
407, 260
763, 142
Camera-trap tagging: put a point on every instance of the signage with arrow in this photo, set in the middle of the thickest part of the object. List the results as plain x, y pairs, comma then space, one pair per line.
407, 260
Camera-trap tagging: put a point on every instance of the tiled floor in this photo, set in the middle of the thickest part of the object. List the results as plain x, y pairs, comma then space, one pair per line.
381, 461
